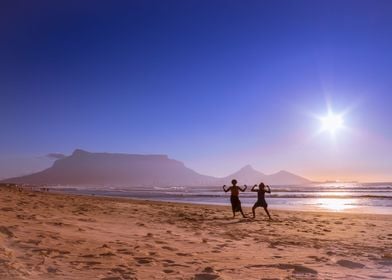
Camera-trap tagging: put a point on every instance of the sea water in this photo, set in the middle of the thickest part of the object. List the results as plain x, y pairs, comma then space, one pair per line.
337, 197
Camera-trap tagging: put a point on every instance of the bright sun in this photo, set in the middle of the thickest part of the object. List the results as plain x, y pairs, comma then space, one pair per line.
332, 122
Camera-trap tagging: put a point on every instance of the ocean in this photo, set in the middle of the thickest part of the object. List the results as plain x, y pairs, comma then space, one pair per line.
334, 197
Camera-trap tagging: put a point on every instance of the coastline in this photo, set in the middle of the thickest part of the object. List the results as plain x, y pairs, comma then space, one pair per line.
338, 205
48, 235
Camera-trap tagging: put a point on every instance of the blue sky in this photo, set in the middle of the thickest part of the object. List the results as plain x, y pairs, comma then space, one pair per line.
215, 84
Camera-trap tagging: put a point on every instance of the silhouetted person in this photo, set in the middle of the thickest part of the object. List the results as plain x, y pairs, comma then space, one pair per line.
261, 198
234, 198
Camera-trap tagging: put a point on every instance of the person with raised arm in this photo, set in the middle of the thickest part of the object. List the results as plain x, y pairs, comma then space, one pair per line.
261, 190
234, 197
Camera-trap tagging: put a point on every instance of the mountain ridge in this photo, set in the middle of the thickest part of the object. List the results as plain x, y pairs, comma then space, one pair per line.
130, 170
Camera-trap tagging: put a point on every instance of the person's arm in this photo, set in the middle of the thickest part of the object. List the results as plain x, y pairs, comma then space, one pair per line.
243, 188
268, 189
253, 188
226, 190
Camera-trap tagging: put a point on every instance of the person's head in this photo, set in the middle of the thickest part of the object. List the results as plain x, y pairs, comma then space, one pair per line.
234, 182
261, 186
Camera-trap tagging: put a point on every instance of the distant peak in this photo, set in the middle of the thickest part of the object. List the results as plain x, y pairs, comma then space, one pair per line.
283, 172
247, 167
79, 152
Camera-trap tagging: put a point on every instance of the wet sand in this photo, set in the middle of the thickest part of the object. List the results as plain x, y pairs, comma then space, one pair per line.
57, 236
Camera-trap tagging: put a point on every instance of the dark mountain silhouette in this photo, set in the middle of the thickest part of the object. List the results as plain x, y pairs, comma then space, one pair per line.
126, 170
104, 169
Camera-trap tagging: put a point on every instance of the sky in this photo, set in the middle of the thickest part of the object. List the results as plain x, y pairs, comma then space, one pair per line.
214, 84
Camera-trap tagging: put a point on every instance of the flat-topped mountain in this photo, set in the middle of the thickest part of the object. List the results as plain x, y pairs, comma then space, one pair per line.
83, 168
106, 169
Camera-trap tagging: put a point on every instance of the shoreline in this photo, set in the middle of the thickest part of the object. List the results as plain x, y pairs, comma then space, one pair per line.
371, 210
47, 235
226, 206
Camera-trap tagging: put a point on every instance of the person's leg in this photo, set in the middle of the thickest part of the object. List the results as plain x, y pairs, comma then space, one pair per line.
254, 210
243, 215
239, 208
232, 200
266, 210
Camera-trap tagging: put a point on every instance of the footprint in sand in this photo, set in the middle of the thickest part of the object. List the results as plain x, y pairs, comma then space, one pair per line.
118, 270
143, 260
193, 262
124, 251
87, 263
208, 269
4, 230
88, 256
169, 248
125, 272
107, 254
300, 269
206, 276
297, 269
184, 254
318, 259
350, 264
51, 269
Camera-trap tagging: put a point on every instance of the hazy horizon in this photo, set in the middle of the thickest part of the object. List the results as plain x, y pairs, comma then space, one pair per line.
300, 86
15, 167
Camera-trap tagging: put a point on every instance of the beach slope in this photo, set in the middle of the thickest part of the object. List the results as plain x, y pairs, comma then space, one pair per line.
56, 236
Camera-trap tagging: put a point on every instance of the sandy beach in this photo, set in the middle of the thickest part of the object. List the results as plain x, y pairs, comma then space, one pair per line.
47, 235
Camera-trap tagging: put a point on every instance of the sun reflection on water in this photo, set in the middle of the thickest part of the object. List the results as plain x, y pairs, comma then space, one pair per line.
336, 204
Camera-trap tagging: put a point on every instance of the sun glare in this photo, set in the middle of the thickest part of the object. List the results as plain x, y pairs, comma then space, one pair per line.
332, 122
336, 204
